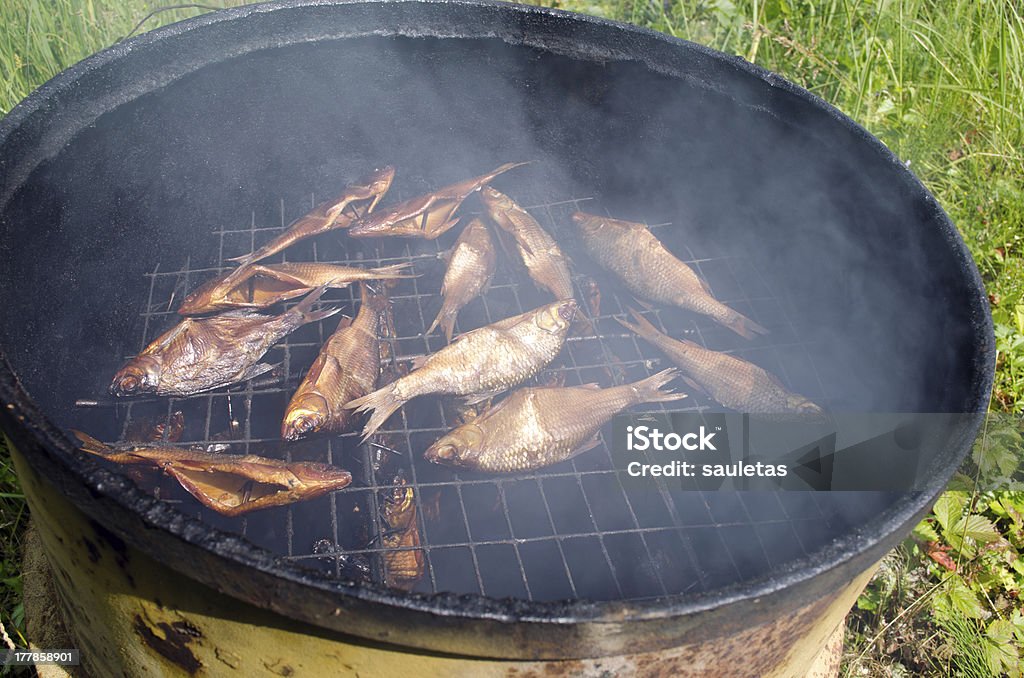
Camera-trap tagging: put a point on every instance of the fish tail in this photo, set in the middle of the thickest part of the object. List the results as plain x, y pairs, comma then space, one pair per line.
742, 325
446, 319
376, 301
393, 271
91, 445
643, 327
383, 402
304, 309
649, 390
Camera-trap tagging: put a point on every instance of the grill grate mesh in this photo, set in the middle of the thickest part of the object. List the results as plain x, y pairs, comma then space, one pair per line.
573, 530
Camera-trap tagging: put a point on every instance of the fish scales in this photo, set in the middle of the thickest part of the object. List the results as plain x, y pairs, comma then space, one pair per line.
256, 286
199, 354
480, 363
544, 261
650, 271
539, 426
346, 368
736, 383
470, 269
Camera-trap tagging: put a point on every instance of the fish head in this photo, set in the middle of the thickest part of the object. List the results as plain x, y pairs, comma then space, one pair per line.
317, 477
589, 224
801, 405
556, 317
458, 448
379, 180
305, 416
140, 375
495, 201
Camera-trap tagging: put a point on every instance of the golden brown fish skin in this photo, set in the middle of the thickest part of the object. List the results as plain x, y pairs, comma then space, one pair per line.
544, 261
470, 269
329, 215
257, 286
651, 272
199, 354
426, 216
536, 427
731, 381
405, 565
229, 484
480, 363
347, 368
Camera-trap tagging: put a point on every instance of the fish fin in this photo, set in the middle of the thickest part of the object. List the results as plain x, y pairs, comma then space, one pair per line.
383, 402
304, 307
695, 386
646, 304
649, 390
279, 275
243, 260
418, 362
91, 445
258, 369
643, 327
592, 386
446, 319
588, 445
443, 228
393, 271
742, 325
478, 398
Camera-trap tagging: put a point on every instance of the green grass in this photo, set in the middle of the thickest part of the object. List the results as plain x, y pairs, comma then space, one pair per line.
940, 81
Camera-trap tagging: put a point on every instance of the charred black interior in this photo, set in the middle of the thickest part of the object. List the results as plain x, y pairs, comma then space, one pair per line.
795, 216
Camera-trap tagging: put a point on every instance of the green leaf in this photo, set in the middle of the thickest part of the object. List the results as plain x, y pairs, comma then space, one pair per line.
976, 527
1018, 314
949, 508
999, 646
925, 532
958, 599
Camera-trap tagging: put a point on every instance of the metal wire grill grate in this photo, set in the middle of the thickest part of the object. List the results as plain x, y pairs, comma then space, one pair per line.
573, 530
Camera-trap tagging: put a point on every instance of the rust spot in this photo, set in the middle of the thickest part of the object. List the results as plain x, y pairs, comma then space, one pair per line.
279, 668
94, 553
173, 646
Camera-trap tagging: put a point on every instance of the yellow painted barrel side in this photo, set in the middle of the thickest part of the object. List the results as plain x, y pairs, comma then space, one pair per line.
131, 615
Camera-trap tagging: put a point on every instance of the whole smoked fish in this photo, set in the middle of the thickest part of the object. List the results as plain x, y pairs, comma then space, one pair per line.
426, 216
544, 261
731, 381
470, 269
259, 286
230, 484
328, 215
540, 426
480, 363
347, 368
651, 272
199, 354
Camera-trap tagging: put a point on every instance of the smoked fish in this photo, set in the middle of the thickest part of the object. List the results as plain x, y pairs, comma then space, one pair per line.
228, 483
426, 216
539, 426
259, 286
199, 354
470, 269
328, 215
480, 363
731, 381
347, 368
544, 260
649, 271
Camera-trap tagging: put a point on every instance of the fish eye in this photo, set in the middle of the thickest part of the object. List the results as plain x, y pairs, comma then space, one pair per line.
129, 383
567, 311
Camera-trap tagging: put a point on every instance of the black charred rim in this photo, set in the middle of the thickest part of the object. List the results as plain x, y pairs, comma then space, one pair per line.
52, 452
